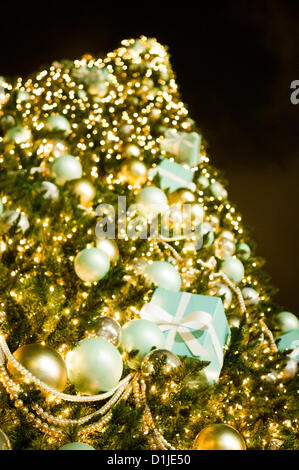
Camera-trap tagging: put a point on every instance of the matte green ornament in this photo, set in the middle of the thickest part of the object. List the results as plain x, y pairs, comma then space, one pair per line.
233, 268
91, 264
141, 335
58, 123
287, 321
163, 274
244, 251
152, 200
18, 135
66, 168
76, 446
94, 366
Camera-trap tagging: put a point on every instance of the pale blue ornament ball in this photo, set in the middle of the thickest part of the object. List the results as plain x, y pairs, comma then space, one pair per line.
203, 182
22, 96
66, 168
18, 135
233, 268
59, 123
251, 296
94, 366
244, 250
91, 264
76, 446
218, 190
14, 217
163, 274
141, 335
152, 200
49, 190
1, 208
287, 321
207, 233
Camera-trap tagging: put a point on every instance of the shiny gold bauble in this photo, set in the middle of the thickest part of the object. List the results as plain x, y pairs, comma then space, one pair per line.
85, 190
4, 441
219, 437
155, 113
109, 246
213, 219
227, 234
224, 247
131, 151
44, 363
133, 172
180, 197
233, 321
160, 360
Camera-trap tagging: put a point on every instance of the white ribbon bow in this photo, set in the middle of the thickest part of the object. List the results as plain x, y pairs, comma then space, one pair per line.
198, 320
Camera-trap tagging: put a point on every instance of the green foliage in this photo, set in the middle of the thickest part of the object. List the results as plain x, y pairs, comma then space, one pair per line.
44, 300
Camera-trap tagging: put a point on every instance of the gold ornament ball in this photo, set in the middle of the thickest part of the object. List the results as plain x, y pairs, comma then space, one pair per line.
155, 113
85, 190
131, 151
4, 442
108, 246
133, 172
161, 360
224, 247
126, 129
233, 321
227, 234
181, 197
44, 363
219, 437
213, 219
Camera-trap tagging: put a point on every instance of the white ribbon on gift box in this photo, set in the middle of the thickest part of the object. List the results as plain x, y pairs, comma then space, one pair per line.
197, 320
295, 347
168, 174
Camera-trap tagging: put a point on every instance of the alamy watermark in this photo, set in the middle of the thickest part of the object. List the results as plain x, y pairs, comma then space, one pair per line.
174, 223
294, 97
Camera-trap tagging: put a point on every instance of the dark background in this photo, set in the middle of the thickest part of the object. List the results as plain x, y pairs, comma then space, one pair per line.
234, 62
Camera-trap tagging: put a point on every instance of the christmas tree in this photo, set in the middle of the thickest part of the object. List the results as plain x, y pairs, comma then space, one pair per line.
96, 350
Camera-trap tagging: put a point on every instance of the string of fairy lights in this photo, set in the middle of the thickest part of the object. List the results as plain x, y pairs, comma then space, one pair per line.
108, 123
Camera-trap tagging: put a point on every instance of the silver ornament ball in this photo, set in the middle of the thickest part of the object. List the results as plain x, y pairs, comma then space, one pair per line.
107, 328
222, 290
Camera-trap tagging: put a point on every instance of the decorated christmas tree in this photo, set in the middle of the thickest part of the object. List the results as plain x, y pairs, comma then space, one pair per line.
134, 313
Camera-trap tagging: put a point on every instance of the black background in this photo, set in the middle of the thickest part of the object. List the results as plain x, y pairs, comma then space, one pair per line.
234, 62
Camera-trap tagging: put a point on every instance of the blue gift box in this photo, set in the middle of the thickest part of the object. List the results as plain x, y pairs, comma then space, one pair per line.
290, 340
185, 146
193, 325
173, 175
